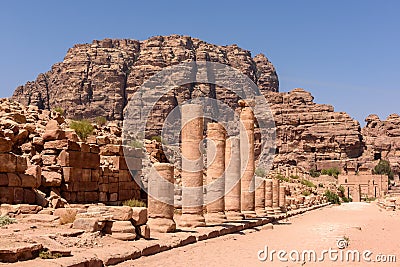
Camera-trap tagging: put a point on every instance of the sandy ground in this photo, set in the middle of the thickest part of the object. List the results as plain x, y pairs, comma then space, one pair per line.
365, 225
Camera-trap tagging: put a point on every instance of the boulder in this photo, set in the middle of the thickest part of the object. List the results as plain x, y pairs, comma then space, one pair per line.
139, 215
87, 224
51, 179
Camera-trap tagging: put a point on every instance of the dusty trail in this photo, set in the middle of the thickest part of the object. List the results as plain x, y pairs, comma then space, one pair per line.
366, 225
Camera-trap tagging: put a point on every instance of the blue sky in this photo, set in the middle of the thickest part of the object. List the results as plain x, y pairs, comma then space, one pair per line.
346, 53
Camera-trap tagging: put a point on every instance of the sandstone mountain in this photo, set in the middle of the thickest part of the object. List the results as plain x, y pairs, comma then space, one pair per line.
98, 79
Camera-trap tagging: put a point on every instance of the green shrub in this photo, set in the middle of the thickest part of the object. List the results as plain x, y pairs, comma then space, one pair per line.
82, 128
260, 172
341, 189
282, 178
307, 183
384, 168
295, 177
369, 199
346, 200
156, 138
136, 144
306, 192
314, 173
44, 254
332, 197
101, 121
134, 203
59, 110
5, 220
334, 172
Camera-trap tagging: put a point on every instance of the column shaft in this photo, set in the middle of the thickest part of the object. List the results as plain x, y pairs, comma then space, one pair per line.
192, 166
160, 208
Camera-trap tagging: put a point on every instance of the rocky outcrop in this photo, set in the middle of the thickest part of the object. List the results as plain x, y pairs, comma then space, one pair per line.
312, 135
43, 161
97, 79
382, 140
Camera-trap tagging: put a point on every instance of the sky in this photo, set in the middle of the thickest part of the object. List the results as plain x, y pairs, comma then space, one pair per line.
345, 52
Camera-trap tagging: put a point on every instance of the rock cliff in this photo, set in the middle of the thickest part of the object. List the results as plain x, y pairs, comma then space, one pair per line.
97, 79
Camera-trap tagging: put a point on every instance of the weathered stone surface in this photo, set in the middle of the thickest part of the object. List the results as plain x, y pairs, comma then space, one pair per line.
87, 224
124, 65
123, 230
8, 163
309, 133
247, 161
161, 198
121, 213
67, 215
53, 131
12, 251
215, 201
139, 215
51, 178
382, 140
5, 145
36, 172
192, 166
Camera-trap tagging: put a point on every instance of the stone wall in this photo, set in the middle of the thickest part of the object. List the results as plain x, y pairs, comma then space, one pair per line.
364, 185
43, 161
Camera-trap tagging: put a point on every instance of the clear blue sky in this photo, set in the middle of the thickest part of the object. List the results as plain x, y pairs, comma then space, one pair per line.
346, 53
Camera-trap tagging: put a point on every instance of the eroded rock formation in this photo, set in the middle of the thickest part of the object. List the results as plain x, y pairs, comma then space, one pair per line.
97, 79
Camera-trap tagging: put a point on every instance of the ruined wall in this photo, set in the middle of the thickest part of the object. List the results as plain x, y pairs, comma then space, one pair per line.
364, 185
309, 134
42, 161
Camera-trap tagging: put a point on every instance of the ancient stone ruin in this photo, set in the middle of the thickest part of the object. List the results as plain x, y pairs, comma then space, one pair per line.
73, 194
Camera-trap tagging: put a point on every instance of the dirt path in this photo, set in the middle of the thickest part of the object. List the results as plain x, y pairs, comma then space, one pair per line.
366, 225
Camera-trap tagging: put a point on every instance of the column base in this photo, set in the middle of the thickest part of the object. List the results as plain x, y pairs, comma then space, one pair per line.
261, 213
249, 214
277, 211
234, 215
270, 211
161, 225
215, 217
192, 220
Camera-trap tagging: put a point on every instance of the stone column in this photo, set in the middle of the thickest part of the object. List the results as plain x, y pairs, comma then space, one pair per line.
356, 193
232, 179
293, 205
160, 209
282, 198
216, 136
275, 196
247, 162
192, 166
371, 188
260, 197
268, 197
300, 200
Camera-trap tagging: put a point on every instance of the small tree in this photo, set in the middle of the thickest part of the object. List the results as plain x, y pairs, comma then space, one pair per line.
307, 183
59, 110
314, 173
332, 197
82, 128
260, 172
334, 172
383, 167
